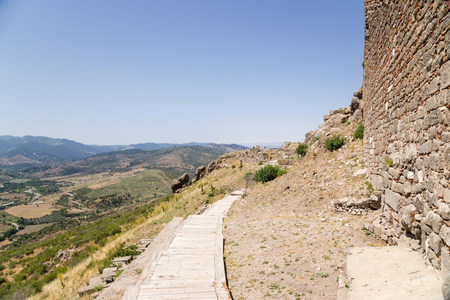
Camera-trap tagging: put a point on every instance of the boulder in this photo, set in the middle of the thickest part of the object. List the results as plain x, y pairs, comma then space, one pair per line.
199, 173
180, 182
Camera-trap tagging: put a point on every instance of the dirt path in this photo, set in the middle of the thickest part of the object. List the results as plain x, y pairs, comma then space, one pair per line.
285, 241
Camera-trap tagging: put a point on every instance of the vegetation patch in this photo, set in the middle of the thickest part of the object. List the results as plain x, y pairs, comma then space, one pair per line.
335, 142
268, 173
359, 132
301, 150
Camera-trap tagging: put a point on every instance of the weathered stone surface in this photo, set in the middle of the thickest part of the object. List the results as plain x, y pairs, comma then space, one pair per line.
86, 290
445, 261
407, 218
122, 260
434, 221
445, 234
350, 203
444, 211
445, 75
435, 243
182, 181
447, 195
360, 172
392, 199
96, 280
446, 288
199, 173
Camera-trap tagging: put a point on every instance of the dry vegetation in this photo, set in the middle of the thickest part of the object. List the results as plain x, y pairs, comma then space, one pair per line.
285, 241
189, 201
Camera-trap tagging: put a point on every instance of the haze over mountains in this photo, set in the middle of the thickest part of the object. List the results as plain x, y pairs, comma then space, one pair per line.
39, 149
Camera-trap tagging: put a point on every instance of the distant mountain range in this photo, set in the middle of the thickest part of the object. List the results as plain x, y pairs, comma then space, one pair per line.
39, 149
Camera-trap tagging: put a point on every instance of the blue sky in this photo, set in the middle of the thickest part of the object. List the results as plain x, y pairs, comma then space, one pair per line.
122, 72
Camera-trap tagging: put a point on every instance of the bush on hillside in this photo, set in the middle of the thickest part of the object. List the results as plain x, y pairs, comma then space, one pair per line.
268, 173
302, 148
359, 132
335, 142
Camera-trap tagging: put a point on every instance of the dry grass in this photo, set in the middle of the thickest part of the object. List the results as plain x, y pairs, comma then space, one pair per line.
285, 241
189, 201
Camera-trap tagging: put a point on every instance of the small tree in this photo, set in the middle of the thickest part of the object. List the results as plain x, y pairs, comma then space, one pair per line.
301, 150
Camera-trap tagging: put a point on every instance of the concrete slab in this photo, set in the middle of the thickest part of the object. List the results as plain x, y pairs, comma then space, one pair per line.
391, 273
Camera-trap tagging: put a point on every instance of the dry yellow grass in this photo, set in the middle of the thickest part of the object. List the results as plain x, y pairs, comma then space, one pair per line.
189, 201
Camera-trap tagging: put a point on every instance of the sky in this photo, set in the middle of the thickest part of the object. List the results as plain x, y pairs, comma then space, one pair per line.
112, 72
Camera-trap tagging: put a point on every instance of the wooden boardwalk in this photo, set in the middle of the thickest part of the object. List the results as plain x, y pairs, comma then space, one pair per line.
192, 267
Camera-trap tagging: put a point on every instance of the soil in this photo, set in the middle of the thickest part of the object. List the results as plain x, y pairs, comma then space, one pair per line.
284, 240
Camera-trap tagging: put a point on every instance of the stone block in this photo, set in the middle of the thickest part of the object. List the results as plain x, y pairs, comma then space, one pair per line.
377, 182
110, 270
445, 234
394, 173
435, 243
444, 211
406, 215
392, 199
122, 260
96, 280
445, 75
434, 221
377, 229
447, 195
397, 187
431, 119
445, 262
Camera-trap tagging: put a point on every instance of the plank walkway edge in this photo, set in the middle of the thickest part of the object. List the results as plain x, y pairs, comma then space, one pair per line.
190, 264
127, 285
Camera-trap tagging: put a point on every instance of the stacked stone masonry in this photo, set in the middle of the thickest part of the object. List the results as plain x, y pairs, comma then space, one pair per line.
406, 116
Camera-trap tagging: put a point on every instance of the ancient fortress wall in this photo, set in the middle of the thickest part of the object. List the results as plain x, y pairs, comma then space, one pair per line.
407, 116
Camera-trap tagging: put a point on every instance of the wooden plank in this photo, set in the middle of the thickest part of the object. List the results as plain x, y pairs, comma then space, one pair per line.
190, 266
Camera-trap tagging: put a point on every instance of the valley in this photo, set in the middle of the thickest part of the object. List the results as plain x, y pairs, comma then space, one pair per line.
48, 209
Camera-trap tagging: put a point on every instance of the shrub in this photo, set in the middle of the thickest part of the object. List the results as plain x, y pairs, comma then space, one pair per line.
359, 132
260, 163
302, 148
388, 163
268, 173
335, 142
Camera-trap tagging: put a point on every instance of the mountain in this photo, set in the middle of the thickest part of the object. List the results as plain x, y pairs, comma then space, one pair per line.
156, 146
38, 149
44, 149
174, 161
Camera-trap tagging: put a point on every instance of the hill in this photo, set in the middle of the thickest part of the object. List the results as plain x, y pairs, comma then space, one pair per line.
174, 161
33, 150
39, 149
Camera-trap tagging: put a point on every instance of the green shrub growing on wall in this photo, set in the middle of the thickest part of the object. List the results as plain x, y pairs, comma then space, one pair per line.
302, 148
268, 173
359, 132
333, 143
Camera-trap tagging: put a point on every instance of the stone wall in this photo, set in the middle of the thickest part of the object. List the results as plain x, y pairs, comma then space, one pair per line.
406, 116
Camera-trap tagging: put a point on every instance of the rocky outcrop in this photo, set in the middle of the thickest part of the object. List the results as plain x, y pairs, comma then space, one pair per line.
338, 118
179, 183
199, 173
358, 206
65, 255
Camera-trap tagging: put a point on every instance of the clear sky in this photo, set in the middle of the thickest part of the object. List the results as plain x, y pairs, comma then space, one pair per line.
122, 72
